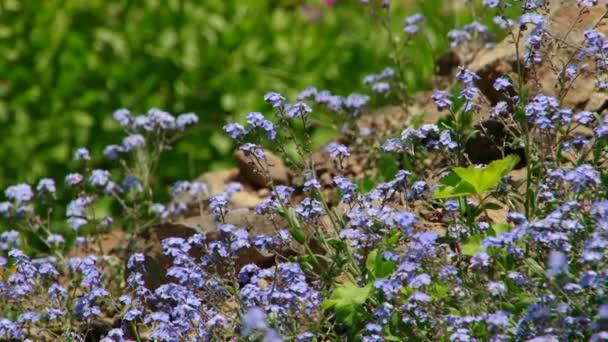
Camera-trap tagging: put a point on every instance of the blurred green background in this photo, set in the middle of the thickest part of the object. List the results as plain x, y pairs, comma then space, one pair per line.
65, 66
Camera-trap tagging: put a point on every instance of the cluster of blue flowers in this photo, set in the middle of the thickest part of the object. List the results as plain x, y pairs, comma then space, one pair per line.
388, 261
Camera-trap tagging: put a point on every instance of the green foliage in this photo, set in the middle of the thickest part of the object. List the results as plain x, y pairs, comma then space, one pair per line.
68, 65
347, 302
473, 181
473, 244
377, 267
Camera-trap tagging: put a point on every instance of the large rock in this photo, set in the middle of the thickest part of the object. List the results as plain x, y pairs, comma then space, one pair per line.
565, 30
148, 241
261, 176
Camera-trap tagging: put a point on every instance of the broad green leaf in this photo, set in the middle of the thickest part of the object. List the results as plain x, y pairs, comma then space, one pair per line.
439, 290
473, 245
377, 267
463, 188
347, 302
473, 181
500, 228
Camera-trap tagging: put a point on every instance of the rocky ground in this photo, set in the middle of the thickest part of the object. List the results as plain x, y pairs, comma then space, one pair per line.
564, 23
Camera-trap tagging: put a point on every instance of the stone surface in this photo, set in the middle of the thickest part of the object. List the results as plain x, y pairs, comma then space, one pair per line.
148, 241
565, 28
261, 175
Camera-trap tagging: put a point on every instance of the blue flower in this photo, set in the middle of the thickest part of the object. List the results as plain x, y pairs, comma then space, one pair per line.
99, 178
467, 76
442, 100
185, 120
133, 141
235, 130
497, 288
311, 184
445, 139
123, 116
491, 3
112, 152
253, 320
272, 336
274, 98
310, 209
253, 149
55, 239
161, 119
307, 93
5, 209
46, 185
298, 110
584, 176
132, 183
557, 264
356, 101
347, 188
420, 281
411, 29
392, 145
257, 120
336, 150
480, 260
406, 221
502, 83
82, 154
388, 288
78, 206
458, 37
136, 260
19, 193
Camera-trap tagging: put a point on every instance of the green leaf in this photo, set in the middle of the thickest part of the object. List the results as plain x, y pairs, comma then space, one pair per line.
491, 206
473, 245
462, 181
377, 267
439, 290
388, 168
337, 243
347, 302
446, 239
500, 228
36, 242
298, 235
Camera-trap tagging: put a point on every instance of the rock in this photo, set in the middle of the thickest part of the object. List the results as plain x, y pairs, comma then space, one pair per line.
242, 218
216, 182
257, 175
423, 110
148, 241
565, 27
492, 142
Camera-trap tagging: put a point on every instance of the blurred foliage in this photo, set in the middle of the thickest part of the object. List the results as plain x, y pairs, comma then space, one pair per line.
66, 65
